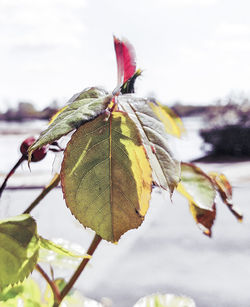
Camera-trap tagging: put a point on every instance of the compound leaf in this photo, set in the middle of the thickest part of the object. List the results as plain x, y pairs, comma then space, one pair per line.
19, 249
166, 170
196, 186
106, 176
84, 107
224, 189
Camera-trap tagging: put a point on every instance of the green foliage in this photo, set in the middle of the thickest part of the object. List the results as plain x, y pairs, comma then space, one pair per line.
73, 299
166, 170
200, 189
196, 186
62, 254
84, 107
172, 122
51, 246
26, 294
119, 151
19, 249
200, 192
165, 300
106, 157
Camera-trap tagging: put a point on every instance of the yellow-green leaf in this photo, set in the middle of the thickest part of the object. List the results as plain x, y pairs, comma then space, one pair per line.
57, 113
19, 249
165, 300
196, 186
224, 189
61, 253
171, 121
27, 294
166, 170
106, 176
204, 218
82, 108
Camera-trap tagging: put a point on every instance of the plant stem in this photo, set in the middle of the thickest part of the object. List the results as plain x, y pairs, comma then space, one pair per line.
53, 286
97, 239
54, 182
12, 171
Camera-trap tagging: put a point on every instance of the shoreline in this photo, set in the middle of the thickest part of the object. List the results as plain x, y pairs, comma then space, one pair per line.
214, 158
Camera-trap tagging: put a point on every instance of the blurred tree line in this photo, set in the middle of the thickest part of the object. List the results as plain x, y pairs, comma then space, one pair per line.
27, 111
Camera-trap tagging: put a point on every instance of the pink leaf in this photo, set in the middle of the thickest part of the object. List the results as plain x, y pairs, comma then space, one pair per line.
125, 57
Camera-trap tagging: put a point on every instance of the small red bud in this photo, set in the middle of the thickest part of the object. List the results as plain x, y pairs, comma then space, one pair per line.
38, 154
26, 144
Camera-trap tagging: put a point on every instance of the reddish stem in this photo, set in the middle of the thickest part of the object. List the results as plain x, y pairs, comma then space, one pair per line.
44, 192
12, 171
97, 239
53, 286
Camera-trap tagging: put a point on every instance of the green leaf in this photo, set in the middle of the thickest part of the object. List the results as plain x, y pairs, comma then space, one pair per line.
84, 107
203, 218
77, 299
61, 253
166, 170
224, 189
196, 186
165, 300
19, 249
26, 294
106, 176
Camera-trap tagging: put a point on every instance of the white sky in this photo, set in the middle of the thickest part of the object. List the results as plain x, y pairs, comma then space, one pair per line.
190, 50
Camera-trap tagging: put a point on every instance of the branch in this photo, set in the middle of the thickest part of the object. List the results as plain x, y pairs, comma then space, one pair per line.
97, 239
12, 171
53, 286
54, 182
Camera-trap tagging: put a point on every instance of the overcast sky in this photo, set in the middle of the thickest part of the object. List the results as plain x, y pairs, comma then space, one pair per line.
189, 50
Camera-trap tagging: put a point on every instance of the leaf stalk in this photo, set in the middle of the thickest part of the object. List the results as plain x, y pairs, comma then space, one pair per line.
54, 182
53, 286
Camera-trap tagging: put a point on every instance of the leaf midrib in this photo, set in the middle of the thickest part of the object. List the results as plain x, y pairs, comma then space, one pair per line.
110, 174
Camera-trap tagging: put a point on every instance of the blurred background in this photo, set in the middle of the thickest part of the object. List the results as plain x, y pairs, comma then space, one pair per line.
195, 58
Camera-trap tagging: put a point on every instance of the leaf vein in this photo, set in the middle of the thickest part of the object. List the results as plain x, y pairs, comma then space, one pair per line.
98, 196
89, 172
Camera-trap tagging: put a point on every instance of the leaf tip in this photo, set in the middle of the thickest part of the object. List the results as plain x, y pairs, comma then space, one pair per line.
240, 219
206, 231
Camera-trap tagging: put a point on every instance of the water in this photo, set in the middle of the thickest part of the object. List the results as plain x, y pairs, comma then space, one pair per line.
190, 146
167, 254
